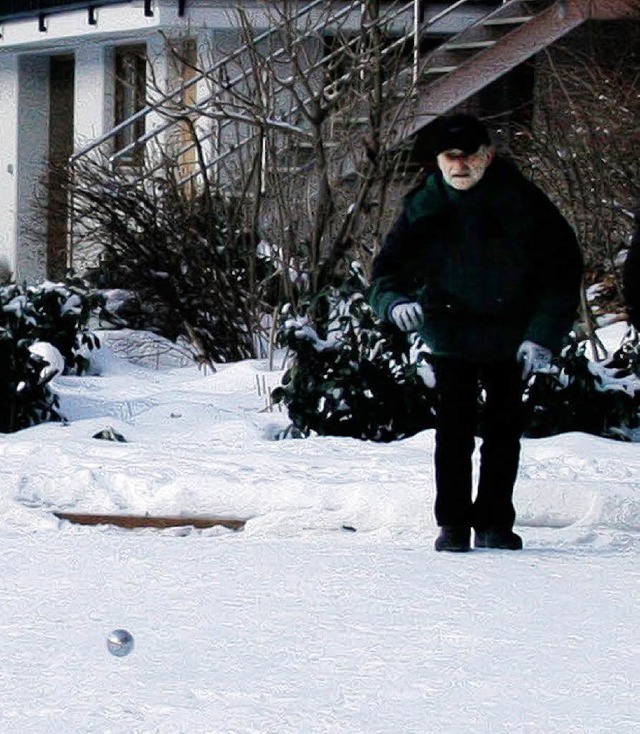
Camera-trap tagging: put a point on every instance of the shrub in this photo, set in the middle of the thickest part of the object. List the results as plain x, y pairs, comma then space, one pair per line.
353, 376
51, 313
598, 398
193, 262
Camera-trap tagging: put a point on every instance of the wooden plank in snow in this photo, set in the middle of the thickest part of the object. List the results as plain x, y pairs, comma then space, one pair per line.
150, 521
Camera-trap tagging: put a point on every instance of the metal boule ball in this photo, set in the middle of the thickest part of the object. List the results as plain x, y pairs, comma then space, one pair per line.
120, 643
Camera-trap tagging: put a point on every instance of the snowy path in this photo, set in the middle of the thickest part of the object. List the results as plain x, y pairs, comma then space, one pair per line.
235, 635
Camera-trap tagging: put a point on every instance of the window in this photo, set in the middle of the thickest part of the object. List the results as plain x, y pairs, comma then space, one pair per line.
130, 97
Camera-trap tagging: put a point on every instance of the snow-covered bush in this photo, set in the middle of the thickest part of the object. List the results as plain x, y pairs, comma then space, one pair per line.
352, 375
599, 398
43, 330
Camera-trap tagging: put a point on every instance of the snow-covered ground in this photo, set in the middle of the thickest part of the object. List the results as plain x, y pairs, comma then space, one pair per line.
298, 624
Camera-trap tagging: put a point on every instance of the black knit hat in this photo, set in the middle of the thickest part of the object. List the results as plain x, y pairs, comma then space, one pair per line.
461, 132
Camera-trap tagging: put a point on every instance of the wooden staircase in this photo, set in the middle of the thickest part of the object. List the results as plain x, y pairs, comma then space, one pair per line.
506, 37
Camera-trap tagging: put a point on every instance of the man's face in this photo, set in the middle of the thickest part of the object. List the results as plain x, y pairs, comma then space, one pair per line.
463, 171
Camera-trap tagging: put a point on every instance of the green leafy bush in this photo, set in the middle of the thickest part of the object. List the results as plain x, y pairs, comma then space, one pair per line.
51, 313
598, 398
354, 376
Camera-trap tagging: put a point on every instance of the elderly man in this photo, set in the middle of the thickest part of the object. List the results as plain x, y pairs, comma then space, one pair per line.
485, 268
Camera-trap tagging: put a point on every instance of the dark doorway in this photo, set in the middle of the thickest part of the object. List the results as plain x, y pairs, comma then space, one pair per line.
61, 106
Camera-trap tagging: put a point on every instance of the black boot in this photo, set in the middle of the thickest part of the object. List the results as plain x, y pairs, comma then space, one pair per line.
498, 537
454, 538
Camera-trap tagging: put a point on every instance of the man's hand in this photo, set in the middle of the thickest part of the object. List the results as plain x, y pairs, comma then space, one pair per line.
534, 358
407, 316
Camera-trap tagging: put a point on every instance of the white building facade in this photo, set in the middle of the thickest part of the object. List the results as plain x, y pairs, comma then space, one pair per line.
70, 72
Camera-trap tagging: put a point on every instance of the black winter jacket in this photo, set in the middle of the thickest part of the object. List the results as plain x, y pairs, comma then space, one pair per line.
491, 266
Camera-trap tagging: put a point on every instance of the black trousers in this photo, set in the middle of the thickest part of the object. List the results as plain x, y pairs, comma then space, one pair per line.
457, 385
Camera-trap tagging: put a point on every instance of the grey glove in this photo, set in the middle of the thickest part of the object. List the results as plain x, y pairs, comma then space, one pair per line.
407, 316
534, 358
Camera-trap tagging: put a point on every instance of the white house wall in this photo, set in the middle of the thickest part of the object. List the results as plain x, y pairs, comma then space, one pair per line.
33, 140
24, 138
8, 157
25, 49
94, 105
